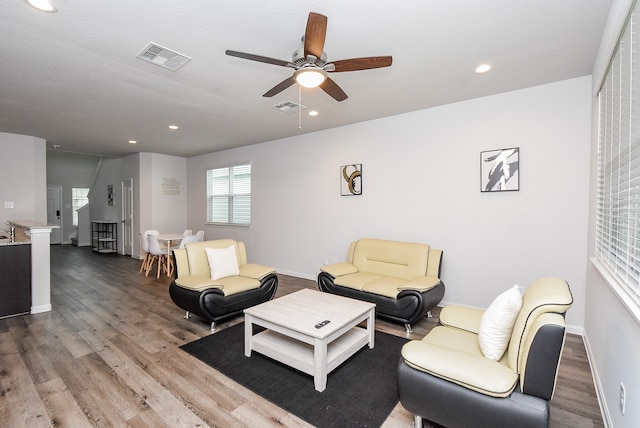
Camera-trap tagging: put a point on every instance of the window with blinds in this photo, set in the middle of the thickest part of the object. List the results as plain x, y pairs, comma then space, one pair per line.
618, 191
229, 195
79, 198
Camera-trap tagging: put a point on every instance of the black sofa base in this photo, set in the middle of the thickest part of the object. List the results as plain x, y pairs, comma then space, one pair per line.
431, 398
407, 308
214, 306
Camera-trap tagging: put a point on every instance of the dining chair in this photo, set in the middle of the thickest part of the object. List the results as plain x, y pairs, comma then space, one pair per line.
187, 239
159, 253
151, 257
200, 235
187, 232
144, 247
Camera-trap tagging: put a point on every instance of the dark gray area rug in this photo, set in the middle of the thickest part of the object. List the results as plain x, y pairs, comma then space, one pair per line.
362, 392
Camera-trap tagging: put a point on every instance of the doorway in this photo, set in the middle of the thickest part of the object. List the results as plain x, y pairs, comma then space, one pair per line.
54, 212
127, 216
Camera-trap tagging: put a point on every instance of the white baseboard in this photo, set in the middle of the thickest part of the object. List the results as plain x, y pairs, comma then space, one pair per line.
40, 309
297, 274
606, 417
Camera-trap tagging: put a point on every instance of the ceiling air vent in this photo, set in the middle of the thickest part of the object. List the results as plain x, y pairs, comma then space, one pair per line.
163, 57
289, 107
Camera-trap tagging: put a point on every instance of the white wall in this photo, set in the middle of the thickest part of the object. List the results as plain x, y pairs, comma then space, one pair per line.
70, 170
612, 334
421, 182
23, 178
159, 192
168, 193
110, 174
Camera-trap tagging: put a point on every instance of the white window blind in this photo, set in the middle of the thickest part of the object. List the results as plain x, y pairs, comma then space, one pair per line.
618, 192
229, 195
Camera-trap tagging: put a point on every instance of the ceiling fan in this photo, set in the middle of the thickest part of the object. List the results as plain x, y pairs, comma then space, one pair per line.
310, 62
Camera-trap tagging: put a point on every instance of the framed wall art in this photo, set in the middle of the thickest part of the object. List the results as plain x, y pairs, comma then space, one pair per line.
110, 194
351, 180
500, 170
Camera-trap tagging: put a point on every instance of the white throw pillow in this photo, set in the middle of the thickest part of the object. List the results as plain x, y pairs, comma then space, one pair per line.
223, 262
497, 323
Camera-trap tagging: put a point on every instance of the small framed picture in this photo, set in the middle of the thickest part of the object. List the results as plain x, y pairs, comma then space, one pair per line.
110, 194
351, 180
500, 170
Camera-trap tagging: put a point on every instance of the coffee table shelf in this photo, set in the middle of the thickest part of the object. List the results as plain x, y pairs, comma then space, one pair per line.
300, 355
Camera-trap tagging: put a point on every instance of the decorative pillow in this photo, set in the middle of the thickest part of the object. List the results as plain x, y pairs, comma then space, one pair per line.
497, 323
223, 262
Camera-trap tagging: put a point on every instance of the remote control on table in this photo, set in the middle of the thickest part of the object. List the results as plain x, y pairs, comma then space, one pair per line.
322, 324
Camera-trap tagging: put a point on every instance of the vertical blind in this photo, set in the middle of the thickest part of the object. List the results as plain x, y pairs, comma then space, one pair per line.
229, 195
618, 191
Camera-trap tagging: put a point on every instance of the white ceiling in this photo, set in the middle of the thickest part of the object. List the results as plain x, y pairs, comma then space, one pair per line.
73, 78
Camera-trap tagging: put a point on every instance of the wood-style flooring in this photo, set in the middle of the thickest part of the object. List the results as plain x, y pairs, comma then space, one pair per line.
107, 355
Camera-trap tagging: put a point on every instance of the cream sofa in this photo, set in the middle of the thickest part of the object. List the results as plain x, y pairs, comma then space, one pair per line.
447, 379
194, 290
401, 278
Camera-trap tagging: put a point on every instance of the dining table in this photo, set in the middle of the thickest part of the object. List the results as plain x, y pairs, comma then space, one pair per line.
169, 240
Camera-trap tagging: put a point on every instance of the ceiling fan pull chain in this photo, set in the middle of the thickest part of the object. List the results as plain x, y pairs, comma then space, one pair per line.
299, 107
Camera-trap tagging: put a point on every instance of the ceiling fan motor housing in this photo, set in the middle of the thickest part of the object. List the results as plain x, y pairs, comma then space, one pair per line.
299, 60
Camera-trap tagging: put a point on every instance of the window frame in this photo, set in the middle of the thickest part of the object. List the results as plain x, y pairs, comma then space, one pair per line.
232, 196
617, 222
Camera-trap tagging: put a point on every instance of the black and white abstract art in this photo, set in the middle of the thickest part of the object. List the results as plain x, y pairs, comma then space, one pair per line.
500, 170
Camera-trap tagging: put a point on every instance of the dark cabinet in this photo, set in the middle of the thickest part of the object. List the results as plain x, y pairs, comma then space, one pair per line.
15, 280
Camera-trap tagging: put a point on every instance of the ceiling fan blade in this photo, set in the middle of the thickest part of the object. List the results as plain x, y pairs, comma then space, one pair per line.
280, 87
332, 88
315, 34
366, 63
258, 58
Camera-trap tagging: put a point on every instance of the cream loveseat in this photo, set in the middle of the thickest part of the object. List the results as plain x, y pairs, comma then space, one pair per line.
401, 278
492, 368
214, 281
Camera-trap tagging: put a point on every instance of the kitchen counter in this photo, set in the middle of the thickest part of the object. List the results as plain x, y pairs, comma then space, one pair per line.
21, 231
30, 224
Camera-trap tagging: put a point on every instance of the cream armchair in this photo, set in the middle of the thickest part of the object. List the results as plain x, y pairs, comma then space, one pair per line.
214, 280
446, 378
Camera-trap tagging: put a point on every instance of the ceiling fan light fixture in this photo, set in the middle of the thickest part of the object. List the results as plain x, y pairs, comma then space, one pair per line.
310, 77
43, 5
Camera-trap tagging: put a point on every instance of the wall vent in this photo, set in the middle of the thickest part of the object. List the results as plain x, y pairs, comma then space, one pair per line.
289, 107
159, 55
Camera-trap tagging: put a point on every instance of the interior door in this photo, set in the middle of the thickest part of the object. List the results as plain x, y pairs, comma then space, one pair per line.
54, 212
127, 216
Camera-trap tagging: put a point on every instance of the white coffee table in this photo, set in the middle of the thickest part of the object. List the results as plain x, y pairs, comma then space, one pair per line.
292, 338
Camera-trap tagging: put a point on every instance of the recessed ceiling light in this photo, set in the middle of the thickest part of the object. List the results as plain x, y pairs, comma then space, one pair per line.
43, 5
483, 68
173, 127
313, 113
132, 141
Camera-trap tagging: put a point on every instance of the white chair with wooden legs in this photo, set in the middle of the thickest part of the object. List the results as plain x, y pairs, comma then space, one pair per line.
144, 246
152, 257
200, 235
188, 239
160, 253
